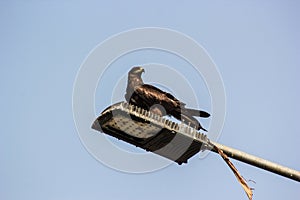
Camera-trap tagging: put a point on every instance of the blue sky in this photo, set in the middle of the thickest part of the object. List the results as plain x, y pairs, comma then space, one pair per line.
43, 43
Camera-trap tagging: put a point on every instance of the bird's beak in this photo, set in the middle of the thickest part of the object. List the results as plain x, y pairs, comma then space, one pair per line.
141, 70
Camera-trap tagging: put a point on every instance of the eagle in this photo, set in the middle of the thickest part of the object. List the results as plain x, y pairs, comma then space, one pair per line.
159, 102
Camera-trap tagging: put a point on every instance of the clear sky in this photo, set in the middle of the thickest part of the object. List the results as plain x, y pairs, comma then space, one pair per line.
254, 44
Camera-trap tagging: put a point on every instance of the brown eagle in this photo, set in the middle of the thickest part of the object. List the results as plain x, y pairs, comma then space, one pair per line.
155, 100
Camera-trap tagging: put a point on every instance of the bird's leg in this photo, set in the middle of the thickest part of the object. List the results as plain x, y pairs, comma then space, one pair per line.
158, 109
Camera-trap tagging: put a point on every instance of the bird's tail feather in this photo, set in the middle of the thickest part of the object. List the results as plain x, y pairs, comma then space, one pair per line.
187, 116
194, 112
191, 121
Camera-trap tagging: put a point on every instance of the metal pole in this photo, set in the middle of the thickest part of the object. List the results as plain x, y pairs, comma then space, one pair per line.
160, 122
258, 162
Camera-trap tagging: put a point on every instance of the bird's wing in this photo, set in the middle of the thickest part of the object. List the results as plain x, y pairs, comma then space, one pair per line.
153, 95
148, 95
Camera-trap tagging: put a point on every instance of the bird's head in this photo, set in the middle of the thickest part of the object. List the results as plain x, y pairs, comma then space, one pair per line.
136, 71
